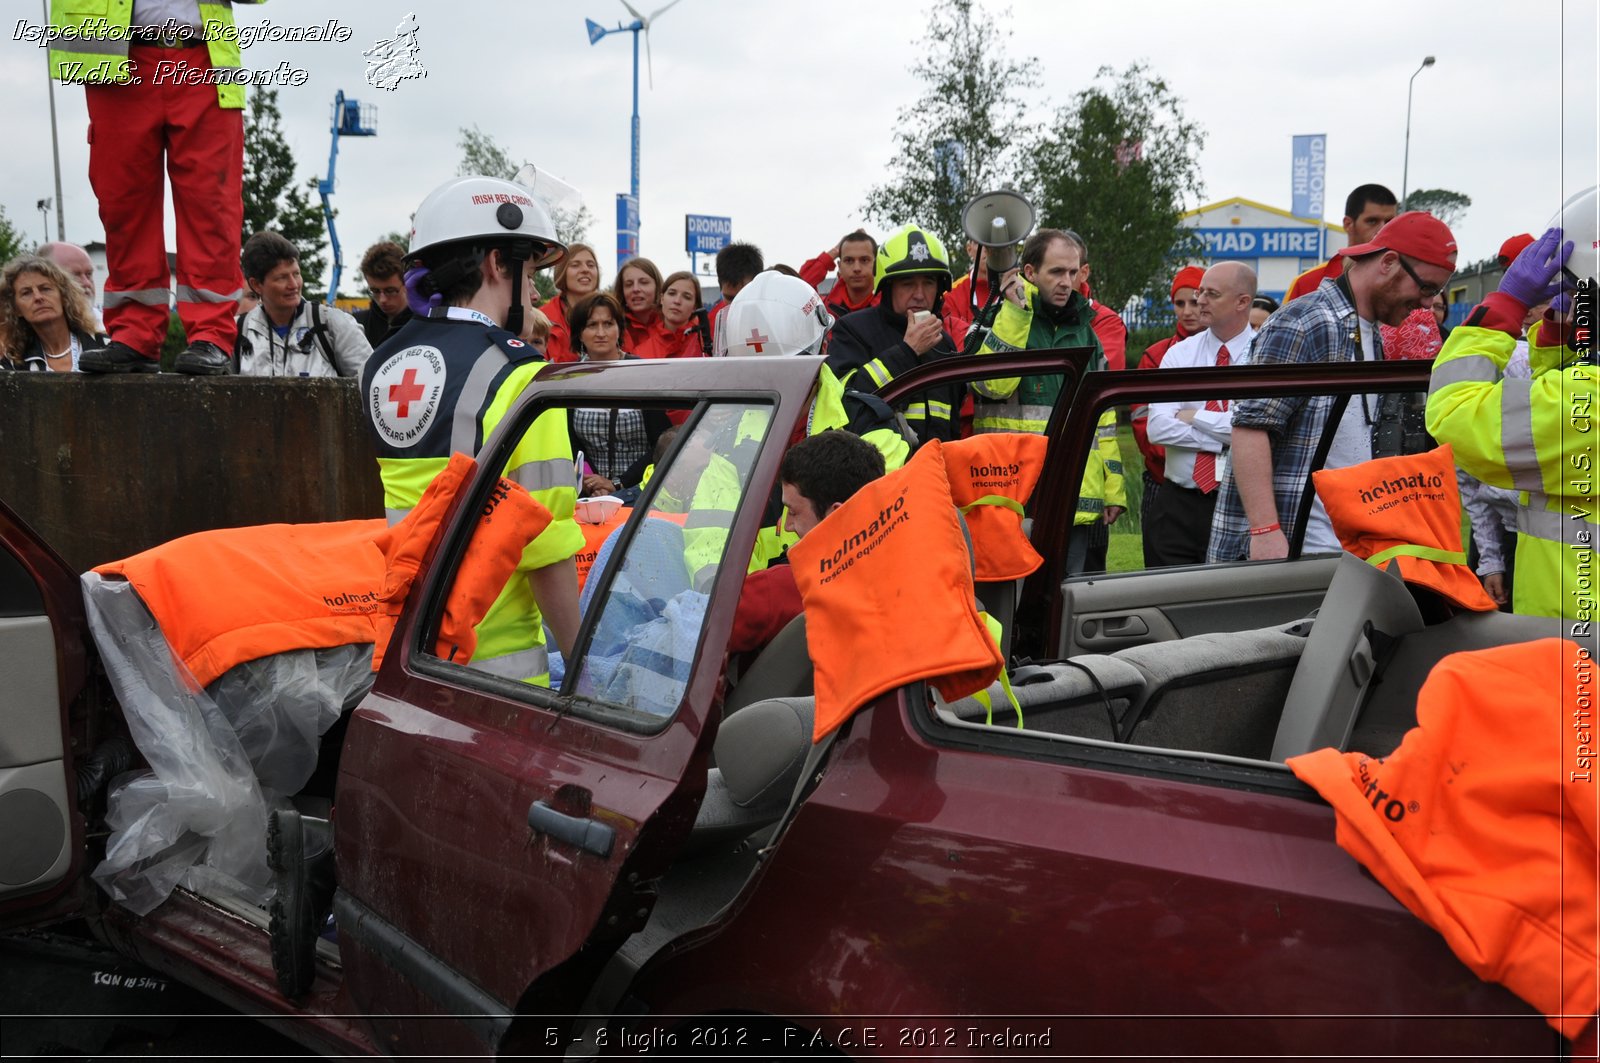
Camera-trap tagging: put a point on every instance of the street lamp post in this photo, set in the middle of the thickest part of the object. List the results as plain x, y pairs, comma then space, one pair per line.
1405, 169
628, 207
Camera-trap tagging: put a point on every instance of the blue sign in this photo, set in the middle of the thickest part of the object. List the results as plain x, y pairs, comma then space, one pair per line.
627, 228
1237, 242
1308, 175
706, 234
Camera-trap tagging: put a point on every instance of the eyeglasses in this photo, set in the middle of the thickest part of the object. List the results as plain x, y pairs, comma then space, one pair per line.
386, 293
1428, 291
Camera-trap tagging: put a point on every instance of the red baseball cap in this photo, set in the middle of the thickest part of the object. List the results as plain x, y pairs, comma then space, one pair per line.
1514, 247
1415, 234
1188, 277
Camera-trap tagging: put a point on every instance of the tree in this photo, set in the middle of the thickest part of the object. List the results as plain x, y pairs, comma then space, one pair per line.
482, 154
964, 135
12, 243
272, 199
1449, 207
1117, 166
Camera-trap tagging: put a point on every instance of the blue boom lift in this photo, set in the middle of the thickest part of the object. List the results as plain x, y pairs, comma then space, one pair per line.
350, 119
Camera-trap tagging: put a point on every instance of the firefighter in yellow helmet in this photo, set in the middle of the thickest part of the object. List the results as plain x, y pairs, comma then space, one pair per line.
870, 347
1538, 435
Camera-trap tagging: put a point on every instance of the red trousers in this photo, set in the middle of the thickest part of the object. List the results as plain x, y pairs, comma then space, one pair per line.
131, 128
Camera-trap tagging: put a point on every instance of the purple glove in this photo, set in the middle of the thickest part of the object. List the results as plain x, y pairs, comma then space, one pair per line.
420, 304
1535, 277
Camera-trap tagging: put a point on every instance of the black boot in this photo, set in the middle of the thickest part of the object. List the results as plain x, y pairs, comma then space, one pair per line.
116, 357
300, 853
201, 358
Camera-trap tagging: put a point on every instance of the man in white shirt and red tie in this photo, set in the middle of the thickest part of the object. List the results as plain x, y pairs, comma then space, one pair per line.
1177, 525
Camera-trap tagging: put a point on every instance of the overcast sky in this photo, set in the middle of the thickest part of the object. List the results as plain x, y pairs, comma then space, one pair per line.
781, 115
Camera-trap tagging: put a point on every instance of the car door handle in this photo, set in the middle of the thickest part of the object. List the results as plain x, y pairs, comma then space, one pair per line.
586, 834
1113, 628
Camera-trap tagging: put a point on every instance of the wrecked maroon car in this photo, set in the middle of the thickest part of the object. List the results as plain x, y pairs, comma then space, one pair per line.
653, 854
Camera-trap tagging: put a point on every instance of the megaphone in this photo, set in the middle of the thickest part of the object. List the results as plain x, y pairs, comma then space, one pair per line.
998, 221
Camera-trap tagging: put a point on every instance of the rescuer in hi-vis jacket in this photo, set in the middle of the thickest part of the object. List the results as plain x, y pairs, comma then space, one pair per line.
444, 381
1043, 309
1536, 435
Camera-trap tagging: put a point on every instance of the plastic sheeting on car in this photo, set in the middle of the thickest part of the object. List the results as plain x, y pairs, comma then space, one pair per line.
220, 757
644, 641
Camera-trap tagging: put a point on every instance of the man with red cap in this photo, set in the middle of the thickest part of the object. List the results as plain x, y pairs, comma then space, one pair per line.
1186, 311
1400, 270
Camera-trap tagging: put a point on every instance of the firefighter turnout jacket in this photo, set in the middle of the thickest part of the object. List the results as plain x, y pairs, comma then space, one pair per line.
867, 349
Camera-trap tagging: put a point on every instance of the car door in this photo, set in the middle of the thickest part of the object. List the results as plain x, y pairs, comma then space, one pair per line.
1109, 611
43, 657
946, 380
495, 840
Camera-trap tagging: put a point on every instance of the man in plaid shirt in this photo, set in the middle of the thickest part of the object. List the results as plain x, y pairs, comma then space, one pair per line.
1274, 440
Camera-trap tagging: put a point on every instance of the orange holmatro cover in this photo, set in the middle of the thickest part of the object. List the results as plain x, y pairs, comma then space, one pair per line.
232, 595
1483, 822
887, 584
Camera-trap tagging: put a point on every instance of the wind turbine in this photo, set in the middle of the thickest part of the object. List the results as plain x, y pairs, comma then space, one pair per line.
628, 207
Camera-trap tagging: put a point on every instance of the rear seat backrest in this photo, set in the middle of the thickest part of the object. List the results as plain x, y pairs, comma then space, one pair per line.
1077, 697
1218, 692
1392, 709
1340, 657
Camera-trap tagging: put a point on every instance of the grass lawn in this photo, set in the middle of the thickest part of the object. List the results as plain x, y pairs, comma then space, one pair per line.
1126, 550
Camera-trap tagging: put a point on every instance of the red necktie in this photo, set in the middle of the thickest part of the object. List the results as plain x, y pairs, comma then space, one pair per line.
1205, 462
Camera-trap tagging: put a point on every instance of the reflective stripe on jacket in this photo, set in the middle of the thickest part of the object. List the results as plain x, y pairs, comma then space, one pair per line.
455, 409
1536, 436
97, 51
1024, 404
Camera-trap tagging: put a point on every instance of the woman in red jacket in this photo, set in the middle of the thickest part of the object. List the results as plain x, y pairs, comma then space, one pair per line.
577, 278
680, 313
638, 289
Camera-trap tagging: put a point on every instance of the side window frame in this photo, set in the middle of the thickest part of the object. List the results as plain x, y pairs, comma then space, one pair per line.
441, 566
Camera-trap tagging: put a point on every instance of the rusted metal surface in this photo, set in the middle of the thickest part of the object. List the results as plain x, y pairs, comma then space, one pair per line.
103, 467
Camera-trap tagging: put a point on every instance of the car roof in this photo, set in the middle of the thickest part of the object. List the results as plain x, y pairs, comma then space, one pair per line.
786, 375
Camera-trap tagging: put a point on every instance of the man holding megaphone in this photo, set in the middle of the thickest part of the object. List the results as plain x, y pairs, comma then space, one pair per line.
871, 347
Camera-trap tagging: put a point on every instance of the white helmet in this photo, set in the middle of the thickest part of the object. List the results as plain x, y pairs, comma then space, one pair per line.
1580, 223
774, 314
467, 210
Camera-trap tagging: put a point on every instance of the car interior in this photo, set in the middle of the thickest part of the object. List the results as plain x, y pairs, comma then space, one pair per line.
1246, 664
33, 792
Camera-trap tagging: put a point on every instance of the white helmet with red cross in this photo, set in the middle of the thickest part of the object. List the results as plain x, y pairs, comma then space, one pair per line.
774, 314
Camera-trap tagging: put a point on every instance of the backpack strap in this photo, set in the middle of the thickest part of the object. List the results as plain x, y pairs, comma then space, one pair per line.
319, 330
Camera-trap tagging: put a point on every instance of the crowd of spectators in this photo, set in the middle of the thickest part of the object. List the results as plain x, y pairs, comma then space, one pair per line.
48, 319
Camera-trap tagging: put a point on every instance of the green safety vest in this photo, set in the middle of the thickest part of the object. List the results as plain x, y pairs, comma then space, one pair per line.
1024, 404
90, 39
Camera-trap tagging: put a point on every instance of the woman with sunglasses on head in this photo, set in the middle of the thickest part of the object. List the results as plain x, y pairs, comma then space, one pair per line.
45, 321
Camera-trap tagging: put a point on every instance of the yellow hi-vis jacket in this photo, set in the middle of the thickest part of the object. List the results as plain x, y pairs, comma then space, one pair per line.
1024, 404
1538, 436
471, 375
90, 38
